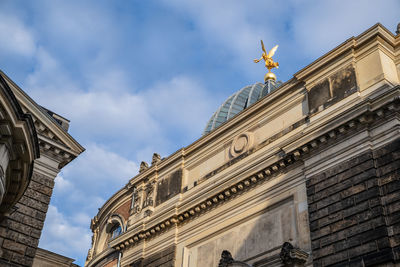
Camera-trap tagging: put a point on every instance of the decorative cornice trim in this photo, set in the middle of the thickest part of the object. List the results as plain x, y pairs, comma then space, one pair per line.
368, 117
45, 118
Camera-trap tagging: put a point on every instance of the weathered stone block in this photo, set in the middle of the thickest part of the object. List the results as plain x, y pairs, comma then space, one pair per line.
27, 240
33, 194
318, 95
30, 252
33, 203
169, 187
369, 202
36, 233
343, 83
22, 260
381, 256
14, 246
19, 227
5, 255
41, 188
25, 210
41, 179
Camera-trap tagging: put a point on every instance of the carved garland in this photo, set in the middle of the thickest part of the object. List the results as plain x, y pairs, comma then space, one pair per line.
264, 175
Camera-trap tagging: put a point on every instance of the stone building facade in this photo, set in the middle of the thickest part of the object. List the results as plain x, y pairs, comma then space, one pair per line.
32, 181
45, 258
307, 175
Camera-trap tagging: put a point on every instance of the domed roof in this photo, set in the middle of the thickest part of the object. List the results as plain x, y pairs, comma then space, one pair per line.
240, 100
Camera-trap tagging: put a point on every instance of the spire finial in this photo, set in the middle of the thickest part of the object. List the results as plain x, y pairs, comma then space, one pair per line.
398, 29
269, 63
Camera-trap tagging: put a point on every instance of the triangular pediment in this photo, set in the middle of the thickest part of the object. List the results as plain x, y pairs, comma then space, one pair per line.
50, 131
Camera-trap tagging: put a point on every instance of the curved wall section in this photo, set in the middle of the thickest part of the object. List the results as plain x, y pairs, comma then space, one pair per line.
18, 149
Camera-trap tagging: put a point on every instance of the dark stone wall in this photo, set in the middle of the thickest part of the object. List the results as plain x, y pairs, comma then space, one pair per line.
333, 89
165, 258
169, 187
20, 232
343, 83
354, 210
318, 95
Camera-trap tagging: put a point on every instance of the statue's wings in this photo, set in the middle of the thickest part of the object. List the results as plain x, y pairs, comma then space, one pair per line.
262, 46
272, 51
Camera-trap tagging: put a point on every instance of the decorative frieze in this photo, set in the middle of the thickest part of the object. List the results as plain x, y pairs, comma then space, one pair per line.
287, 160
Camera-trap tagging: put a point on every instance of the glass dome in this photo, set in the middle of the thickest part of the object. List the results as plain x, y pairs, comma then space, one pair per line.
240, 100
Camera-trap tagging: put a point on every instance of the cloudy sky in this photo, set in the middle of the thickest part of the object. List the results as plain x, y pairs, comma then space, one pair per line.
137, 77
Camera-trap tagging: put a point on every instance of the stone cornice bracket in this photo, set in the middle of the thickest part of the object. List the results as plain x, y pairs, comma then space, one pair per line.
228, 261
61, 153
291, 256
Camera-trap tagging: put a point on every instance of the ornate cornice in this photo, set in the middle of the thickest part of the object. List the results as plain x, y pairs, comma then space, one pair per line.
45, 125
57, 151
365, 119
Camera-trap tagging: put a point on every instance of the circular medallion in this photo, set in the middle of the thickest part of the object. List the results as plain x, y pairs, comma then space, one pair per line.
241, 144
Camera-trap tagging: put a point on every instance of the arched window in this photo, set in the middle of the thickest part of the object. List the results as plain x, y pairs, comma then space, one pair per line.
114, 226
116, 230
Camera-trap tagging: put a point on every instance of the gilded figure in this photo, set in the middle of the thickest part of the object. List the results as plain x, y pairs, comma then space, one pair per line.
269, 62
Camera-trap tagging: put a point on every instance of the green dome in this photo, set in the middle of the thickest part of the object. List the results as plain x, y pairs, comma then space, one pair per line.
240, 100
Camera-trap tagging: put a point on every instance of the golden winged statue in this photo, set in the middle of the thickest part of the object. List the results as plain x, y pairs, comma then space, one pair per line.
269, 62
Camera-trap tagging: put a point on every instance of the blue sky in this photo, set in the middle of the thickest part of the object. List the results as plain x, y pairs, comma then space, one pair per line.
137, 77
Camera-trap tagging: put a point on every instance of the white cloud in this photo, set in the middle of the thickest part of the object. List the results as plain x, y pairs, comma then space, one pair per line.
90, 180
81, 218
234, 25
62, 185
105, 108
62, 235
110, 108
182, 103
17, 38
97, 164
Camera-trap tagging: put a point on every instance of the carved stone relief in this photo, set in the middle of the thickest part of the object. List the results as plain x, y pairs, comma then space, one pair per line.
241, 143
136, 206
290, 256
143, 166
156, 158
148, 199
228, 261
